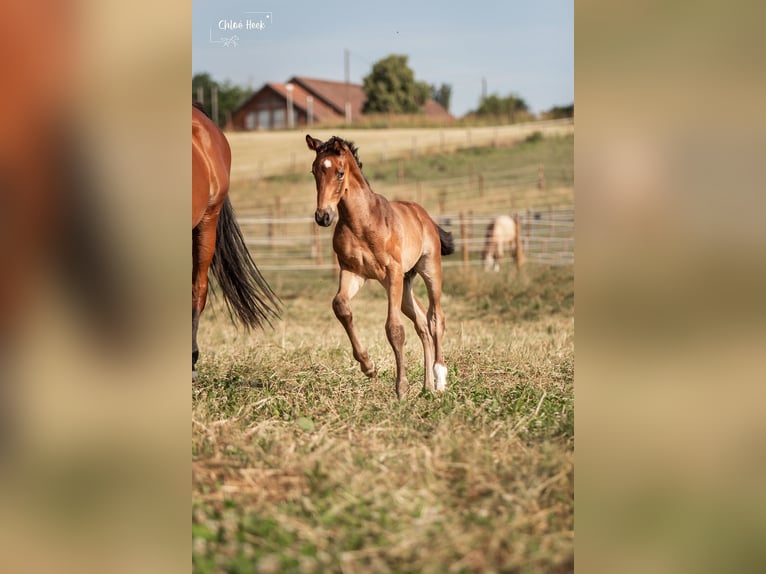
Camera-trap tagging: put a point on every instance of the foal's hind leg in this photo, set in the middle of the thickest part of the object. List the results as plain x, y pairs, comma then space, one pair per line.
394, 284
432, 275
349, 286
413, 309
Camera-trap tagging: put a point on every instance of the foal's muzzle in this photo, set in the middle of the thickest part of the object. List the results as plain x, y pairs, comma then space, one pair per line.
325, 217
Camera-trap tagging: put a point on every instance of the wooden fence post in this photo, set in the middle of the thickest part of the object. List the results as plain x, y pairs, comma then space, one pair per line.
277, 215
270, 230
519, 242
317, 243
464, 240
529, 227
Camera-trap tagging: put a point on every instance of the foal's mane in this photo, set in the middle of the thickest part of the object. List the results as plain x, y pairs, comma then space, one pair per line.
329, 147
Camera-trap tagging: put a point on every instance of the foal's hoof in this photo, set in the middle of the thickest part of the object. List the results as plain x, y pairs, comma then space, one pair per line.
370, 371
401, 389
440, 374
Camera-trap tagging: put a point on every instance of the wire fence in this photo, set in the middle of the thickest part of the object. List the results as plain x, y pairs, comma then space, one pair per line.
298, 243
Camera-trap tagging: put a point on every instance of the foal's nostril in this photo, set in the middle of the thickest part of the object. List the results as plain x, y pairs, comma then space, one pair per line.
324, 217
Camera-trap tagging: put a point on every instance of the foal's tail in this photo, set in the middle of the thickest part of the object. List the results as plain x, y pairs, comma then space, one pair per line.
448, 244
247, 294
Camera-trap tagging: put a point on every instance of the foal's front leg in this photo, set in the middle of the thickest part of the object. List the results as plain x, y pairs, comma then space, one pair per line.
349, 285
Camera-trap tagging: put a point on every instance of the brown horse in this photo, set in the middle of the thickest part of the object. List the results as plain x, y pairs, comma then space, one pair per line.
390, 241
217, 242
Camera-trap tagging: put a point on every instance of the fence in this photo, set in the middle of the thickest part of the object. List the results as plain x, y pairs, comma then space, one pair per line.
298, 243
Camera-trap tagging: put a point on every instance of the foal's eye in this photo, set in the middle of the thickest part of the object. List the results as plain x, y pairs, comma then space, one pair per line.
341, 173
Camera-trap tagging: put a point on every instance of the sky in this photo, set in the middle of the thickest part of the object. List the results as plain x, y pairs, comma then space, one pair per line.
524, 47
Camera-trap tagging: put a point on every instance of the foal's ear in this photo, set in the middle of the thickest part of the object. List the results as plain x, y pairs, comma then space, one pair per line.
313, 143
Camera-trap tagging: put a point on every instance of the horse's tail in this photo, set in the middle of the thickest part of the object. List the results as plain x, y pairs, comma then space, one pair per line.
247, 294
447, 243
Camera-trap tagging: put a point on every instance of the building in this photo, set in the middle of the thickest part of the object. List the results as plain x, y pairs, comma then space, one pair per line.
312, 101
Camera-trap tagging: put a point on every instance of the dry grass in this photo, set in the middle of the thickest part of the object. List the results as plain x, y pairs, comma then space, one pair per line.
300, 463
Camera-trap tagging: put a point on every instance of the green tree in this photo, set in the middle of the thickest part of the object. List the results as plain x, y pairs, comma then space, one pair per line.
494, 105
557, 112
230, 96
442, 94
391, 87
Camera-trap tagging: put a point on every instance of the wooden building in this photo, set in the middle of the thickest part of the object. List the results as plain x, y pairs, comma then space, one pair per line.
310, 101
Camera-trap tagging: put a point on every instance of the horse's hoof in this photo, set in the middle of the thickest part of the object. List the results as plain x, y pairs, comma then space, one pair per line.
401, 389
371, 371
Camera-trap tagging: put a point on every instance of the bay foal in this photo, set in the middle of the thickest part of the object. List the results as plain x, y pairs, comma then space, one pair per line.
390, 241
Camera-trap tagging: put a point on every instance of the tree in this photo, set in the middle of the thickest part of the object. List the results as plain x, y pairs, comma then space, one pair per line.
442, 94
230, 96
391, 87
494, 105
557, 112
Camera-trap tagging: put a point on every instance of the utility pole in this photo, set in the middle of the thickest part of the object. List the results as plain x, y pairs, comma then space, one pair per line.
483, 89
347, 75
290, 120
310, 110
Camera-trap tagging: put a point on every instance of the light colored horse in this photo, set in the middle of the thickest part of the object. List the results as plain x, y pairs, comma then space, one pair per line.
503, 233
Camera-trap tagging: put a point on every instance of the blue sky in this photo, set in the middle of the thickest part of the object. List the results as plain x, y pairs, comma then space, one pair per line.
526, 47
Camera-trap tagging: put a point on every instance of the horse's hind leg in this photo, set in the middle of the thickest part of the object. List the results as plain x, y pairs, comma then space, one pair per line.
203, 247
349, 286
413, 309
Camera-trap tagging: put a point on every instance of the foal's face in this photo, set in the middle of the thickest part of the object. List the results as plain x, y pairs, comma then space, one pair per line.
330, 173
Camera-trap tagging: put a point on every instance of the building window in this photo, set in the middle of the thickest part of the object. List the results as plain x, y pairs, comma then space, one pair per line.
250, 121
263, 119
278, 119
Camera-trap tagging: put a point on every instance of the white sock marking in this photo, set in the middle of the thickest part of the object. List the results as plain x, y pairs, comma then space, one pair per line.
440, 372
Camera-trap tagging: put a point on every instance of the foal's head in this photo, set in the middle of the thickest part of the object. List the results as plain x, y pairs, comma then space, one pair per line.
332, 169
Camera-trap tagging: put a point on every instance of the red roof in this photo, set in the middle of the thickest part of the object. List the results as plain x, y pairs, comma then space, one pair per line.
335, 94
300, 99
434, 108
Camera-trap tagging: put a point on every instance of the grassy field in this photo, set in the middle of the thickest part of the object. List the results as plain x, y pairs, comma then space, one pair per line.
301, 464
509, 177
256, 155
